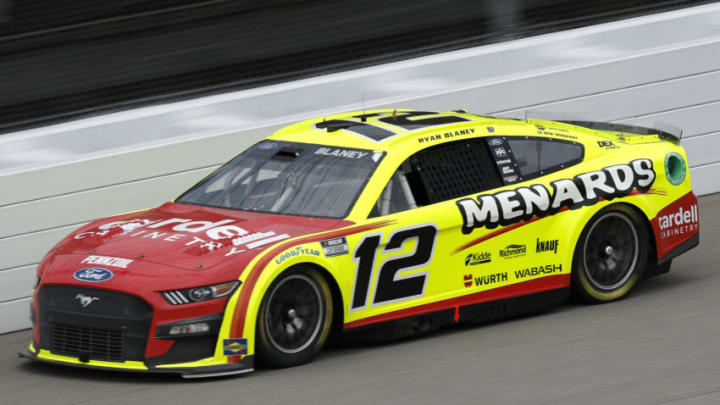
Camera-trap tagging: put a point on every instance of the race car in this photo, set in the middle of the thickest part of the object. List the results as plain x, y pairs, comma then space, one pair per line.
378, 224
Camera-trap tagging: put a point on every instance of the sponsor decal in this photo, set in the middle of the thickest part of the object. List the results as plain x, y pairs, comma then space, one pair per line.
107, 261
510, 206
298, 251
561, 132
675, 170
503, 162
682, 221
486, 279
607, 145
500, 152
213, 235
335, 247
546, 245
446, 135
507, 170
235, 347
491, 129
512, 251
538, 271
477, 258
345, 153
495, 142
676, 223
93, 274
491, 279
86, 300
510, 179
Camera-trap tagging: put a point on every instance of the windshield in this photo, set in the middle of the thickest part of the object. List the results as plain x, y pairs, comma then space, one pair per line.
288, 178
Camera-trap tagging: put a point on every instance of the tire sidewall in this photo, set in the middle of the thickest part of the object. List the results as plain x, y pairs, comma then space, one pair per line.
266, 351
583, 288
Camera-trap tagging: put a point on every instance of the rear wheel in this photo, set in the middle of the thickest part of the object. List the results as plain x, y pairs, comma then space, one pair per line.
295, 318
610, 256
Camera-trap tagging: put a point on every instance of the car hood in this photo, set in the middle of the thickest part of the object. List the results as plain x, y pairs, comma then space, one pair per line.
186, 236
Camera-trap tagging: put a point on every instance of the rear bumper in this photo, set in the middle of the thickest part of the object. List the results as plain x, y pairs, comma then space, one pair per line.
245, 365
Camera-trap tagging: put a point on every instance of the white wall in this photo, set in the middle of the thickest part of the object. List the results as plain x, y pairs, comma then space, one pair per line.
661, 68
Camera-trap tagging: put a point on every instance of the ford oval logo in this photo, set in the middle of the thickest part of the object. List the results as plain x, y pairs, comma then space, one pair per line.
93, 274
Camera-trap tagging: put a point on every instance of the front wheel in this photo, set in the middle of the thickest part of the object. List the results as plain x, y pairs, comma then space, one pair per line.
295, 318
610, 256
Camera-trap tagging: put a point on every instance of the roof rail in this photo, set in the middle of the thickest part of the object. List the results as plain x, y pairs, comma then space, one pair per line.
667, 132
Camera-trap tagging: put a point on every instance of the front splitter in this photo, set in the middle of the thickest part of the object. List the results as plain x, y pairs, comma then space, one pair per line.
243, 366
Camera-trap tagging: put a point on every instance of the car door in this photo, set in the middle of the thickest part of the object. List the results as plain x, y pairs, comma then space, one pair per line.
414, 264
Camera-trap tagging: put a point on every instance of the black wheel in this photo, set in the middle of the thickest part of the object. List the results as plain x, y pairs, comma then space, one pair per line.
295, 318
610, 256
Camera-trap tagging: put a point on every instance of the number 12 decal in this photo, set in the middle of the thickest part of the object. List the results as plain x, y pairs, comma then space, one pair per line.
391, 287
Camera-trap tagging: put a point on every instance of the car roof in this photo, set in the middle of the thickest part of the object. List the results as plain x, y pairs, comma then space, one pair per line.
340, 129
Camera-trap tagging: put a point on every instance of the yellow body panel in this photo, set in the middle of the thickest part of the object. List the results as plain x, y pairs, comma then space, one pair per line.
447, 270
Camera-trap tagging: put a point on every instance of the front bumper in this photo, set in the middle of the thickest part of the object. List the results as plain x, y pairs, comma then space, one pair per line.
212, 370
123, 332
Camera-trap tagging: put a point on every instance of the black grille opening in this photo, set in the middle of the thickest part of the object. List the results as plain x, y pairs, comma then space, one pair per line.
113, 327
91, 343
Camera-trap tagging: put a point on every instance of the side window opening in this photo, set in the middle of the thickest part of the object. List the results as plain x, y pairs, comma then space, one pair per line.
436, 174
521, 158
539, 156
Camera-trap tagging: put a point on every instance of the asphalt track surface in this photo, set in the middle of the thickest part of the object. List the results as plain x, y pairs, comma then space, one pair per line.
659, 346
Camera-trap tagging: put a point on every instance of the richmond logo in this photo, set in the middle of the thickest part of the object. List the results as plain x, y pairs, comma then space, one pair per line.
513, 251
510, 206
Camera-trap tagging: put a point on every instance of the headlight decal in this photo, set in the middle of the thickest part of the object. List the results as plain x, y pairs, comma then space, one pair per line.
199, 294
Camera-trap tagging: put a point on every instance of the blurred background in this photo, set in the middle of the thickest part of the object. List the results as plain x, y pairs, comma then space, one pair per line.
64, 60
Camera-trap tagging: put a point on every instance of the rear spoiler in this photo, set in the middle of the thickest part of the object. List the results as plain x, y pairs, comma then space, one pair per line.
668, 132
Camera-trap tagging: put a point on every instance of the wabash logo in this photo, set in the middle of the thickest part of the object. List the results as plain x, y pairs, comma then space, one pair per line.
510, 206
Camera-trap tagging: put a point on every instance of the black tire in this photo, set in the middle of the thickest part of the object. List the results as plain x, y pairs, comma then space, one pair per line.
610, 256
295, 318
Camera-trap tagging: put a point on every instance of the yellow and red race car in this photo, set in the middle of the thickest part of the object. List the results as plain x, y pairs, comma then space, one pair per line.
385, 223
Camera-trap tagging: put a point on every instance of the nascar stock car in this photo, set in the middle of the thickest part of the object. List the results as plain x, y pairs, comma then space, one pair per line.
384, 223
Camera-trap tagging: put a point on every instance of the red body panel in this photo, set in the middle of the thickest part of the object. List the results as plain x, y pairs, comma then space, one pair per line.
676, 223
174, 246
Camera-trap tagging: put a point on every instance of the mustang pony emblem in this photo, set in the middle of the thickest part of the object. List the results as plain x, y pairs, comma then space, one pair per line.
85, 300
